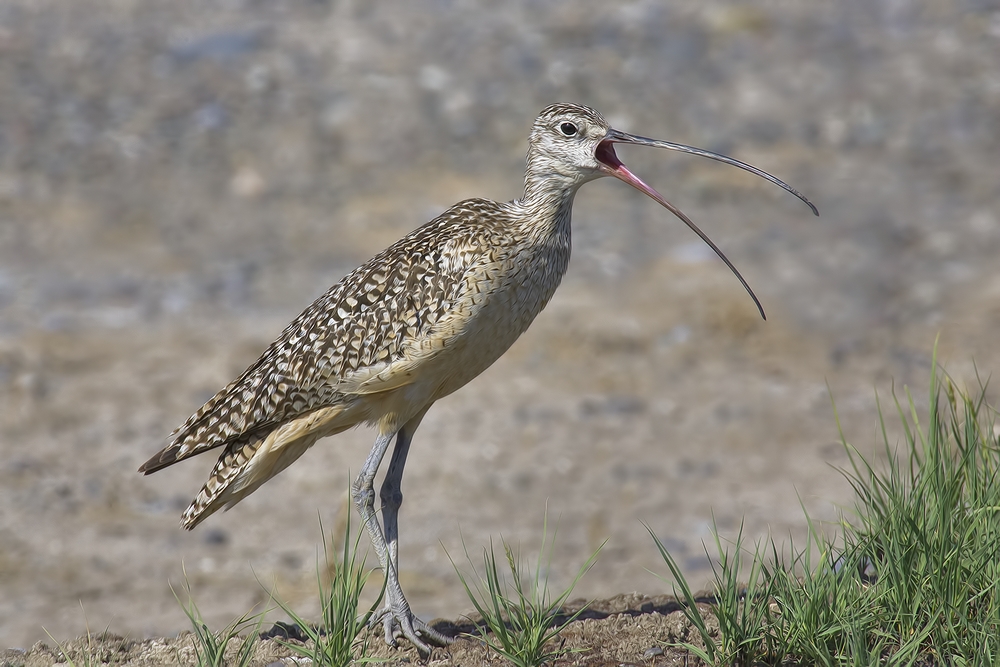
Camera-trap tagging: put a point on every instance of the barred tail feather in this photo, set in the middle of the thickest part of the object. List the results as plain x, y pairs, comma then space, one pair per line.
255, 458
238, 473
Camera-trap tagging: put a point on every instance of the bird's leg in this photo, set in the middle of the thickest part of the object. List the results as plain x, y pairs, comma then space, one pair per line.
396, 616
391, 493
363, 494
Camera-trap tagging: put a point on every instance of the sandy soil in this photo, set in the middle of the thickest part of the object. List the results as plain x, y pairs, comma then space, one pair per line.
179, 179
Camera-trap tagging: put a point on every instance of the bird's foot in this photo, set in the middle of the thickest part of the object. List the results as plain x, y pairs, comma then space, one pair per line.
401, 622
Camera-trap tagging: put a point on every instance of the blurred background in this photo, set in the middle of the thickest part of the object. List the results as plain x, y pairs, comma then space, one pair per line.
179, 179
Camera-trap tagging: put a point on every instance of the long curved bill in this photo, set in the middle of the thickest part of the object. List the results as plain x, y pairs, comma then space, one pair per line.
611, 165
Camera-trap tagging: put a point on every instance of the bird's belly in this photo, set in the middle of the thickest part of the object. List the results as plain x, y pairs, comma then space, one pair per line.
495, 306
494, 313
458, 360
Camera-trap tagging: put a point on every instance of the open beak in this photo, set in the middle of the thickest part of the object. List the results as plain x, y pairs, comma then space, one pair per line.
612, 166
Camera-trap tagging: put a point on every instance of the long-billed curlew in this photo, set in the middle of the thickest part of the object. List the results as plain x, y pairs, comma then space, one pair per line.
411, 325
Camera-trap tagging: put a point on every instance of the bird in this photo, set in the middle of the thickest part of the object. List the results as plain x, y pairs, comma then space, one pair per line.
408, 327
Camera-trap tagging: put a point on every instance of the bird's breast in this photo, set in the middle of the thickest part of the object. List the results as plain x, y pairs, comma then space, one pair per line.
502, 295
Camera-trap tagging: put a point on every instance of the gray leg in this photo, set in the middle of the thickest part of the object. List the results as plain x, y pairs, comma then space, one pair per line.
363, 493
396, 615
391, 493
392, 497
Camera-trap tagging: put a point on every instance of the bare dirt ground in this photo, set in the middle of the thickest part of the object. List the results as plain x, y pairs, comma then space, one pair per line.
622, 631
179, 179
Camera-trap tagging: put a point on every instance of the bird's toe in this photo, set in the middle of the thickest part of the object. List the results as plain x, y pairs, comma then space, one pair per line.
401, 622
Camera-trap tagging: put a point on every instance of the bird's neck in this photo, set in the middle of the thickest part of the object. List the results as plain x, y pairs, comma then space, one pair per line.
545, 214
547, 199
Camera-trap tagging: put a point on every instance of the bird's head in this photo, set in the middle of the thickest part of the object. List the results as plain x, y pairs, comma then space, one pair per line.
571, 144
564, 145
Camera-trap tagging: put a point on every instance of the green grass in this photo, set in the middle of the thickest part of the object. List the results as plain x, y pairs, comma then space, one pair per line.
522, 617
210, 647
96, 651
911, 577
339, 639
336, 642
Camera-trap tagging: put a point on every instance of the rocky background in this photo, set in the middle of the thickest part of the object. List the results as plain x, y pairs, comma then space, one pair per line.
179, 179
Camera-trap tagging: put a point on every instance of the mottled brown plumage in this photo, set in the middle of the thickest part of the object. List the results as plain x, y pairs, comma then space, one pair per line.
411, 325
382, 328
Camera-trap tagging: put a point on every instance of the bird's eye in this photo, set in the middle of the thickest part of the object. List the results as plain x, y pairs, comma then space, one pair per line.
568, 129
